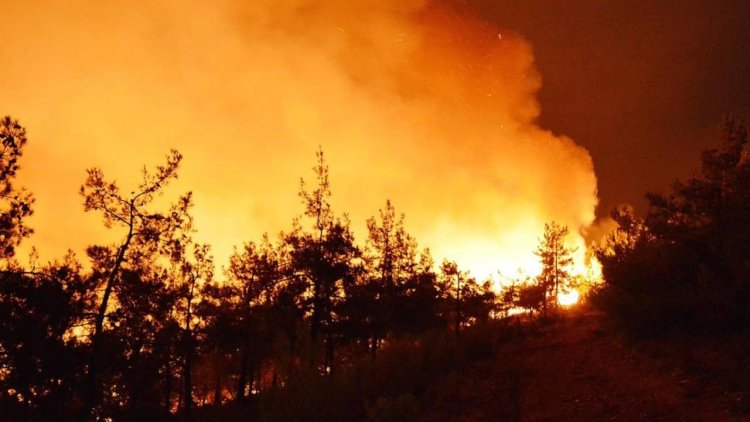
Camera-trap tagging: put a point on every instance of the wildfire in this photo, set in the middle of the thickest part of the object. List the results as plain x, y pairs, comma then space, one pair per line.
419, 101
568, 298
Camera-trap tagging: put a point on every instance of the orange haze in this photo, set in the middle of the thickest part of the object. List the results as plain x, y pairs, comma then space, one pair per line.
411, 100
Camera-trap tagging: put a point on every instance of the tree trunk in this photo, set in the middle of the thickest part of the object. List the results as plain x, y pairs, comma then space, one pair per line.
90, 388
168, 384
329, 353
187, 373
244, 369
315, 326
458, 304
217, 387
189, 351
373, 347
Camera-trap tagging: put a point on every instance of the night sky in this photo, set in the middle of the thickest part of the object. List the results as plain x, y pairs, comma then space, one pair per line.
642, 85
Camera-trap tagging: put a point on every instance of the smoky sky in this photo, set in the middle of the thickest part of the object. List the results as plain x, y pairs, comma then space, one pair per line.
643, 85
480, 119
422, 102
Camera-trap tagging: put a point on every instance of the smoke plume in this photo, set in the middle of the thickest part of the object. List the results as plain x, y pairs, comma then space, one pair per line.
420, 102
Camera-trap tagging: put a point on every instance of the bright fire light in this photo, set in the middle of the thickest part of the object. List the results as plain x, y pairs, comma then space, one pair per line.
568, 298
412, 101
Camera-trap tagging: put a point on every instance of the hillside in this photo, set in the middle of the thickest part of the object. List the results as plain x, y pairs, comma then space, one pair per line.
578, 369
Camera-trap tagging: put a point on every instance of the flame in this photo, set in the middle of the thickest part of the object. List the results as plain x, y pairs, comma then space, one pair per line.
422, 102
569, 298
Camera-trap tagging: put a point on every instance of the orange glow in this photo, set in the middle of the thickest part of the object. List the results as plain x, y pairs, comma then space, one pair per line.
568, 298
411, 101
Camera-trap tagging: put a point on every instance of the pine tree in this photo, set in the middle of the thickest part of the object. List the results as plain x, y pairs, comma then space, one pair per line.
391, 260
15, 203
556, 259
324, 257
146, 233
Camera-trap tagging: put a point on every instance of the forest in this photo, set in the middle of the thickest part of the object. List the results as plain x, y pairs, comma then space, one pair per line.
145, 329
313, 324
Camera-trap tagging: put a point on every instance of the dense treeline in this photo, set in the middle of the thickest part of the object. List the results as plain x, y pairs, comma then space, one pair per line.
311, 323
685, 266
143, 328
307, 324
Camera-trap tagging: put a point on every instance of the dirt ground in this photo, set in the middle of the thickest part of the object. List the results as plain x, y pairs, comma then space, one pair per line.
576, 370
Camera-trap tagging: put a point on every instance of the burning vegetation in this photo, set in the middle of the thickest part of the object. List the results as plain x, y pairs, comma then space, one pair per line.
325, 306
146, 329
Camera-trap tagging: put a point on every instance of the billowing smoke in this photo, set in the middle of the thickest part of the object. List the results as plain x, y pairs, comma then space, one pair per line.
414, 101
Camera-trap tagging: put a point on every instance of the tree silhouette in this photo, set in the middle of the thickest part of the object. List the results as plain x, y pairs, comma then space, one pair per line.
463, 299
556, 259
532, 296
39, 308
146, 229
193, 269
41, 365
709, 211
323, 257
391, 261
15, 203
147, 331
453, 283
137, 323
257, 277
684, 266
420, 308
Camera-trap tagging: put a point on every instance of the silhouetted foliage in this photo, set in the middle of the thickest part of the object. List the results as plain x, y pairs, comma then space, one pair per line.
556, 259
147, 332
193, 269
532, 296
263, 303
324, 257
404, 375
395, 294
15, 203
463, 300
130, 271
40, 363
40, 310
685, 265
